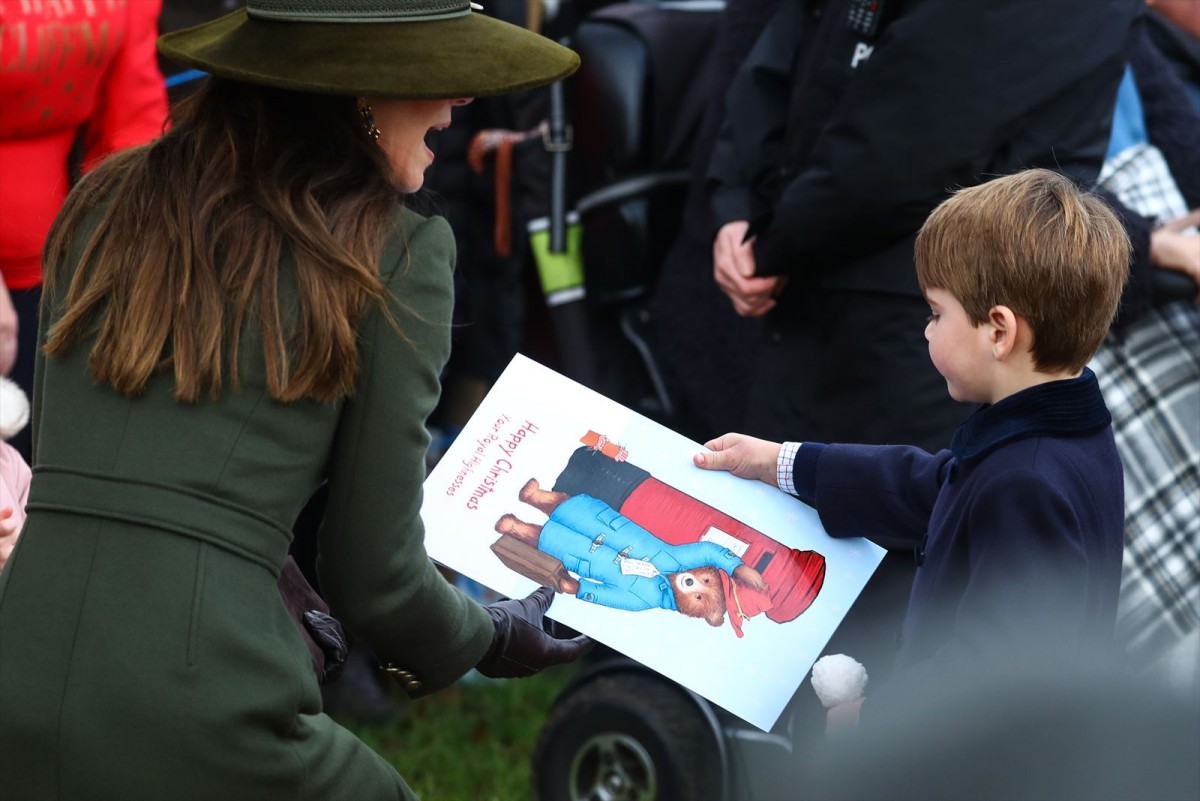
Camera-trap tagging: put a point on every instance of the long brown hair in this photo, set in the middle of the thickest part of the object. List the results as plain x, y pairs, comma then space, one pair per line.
195, 231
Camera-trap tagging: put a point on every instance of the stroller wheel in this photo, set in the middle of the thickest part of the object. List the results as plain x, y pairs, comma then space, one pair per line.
626, 737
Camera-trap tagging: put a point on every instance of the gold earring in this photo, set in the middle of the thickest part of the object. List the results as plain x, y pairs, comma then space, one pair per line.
368, 119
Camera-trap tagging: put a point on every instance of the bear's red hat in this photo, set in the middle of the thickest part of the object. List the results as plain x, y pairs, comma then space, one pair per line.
742, 602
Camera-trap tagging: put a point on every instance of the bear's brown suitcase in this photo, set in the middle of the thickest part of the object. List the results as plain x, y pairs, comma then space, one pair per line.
530, 562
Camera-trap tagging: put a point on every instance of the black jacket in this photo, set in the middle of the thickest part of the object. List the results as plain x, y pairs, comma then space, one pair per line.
838, 143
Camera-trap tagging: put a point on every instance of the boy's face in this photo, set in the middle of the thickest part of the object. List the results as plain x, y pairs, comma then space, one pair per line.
960, 351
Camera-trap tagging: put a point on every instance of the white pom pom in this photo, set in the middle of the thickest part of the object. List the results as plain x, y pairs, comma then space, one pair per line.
14, 408
838, 679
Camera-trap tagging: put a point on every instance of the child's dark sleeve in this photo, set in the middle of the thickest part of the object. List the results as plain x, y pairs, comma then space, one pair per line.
882, 492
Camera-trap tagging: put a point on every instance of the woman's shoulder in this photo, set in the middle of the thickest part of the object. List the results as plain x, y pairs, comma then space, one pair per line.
86, 205
419, 237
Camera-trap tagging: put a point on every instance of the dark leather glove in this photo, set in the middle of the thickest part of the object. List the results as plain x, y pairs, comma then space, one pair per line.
326, 631
525, 641
322, 633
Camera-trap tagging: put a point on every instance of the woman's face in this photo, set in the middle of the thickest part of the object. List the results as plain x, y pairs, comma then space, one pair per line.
403, 125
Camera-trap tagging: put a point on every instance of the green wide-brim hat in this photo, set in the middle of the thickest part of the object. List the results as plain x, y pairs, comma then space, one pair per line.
373, 48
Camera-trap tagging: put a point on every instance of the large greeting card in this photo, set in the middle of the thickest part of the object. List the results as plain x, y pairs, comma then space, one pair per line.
727, 586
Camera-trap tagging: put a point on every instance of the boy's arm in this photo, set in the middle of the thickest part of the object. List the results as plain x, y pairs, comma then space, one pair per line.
882, 492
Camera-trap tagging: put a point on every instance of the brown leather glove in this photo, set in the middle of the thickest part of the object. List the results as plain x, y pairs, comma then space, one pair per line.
525, 641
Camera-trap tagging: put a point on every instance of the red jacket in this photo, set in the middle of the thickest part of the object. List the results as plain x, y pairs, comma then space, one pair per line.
64, 65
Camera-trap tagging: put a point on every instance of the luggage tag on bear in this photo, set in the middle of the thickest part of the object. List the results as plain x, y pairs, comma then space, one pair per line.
637, 567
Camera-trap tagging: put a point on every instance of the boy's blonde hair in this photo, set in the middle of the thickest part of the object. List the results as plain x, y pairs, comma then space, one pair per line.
1035, 242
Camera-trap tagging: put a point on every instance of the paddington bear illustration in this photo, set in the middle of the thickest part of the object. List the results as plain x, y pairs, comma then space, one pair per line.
601, 469
624, 566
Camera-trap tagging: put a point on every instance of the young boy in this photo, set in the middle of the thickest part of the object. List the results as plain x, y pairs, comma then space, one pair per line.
1017, 528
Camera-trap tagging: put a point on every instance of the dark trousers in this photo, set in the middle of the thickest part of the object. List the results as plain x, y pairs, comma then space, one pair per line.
841, 366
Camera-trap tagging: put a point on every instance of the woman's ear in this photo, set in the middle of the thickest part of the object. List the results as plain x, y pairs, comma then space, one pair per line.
1003, 323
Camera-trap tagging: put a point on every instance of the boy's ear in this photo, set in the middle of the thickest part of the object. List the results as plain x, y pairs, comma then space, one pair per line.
1004, 332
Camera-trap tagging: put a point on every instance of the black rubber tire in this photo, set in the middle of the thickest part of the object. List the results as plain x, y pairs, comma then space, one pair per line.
626, 736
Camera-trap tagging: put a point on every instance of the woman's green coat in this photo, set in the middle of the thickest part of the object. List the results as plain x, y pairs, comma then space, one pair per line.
144, 649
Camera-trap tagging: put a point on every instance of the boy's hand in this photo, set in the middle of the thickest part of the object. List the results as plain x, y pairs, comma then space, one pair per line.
745, 457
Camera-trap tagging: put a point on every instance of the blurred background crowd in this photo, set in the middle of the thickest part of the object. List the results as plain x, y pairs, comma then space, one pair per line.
603, 227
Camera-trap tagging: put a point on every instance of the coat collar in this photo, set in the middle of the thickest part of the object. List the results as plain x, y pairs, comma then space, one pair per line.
1070, 408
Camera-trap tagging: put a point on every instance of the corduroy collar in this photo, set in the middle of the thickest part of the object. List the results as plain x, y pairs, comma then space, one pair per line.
1070, 408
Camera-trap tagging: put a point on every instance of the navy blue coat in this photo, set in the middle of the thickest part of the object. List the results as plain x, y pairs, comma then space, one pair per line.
1018, 529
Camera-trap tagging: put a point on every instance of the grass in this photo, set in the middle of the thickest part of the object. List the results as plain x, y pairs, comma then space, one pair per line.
471, 742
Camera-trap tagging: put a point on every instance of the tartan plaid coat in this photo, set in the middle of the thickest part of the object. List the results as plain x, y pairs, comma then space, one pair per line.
1149, 370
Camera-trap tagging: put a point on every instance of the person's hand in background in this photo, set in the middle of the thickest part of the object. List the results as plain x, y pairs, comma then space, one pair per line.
733, 270
1172, 248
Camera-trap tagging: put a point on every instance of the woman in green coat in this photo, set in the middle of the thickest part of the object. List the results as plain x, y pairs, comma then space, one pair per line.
235, 314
